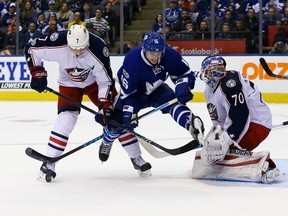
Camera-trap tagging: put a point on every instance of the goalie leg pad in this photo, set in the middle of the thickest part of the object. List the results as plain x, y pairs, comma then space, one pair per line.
238, 165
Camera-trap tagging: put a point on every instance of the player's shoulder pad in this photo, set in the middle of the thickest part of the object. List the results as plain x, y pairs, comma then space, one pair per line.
52, 40
231, 84
171, 55
97, 46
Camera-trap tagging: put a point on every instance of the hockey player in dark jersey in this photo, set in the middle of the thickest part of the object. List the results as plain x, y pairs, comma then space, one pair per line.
142, 80
241, 121
84, 69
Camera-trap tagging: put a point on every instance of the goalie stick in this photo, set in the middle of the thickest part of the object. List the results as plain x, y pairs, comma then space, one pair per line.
143, 140
268, 71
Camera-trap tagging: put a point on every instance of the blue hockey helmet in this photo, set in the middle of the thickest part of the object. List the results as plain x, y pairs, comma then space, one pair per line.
213, 68
153, 42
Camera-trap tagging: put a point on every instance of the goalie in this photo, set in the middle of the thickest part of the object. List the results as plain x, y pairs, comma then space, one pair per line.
241, 121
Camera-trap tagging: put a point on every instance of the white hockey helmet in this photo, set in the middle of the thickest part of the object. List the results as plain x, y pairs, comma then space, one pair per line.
78, 37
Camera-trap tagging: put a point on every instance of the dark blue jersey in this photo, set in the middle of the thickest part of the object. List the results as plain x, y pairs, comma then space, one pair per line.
138, 75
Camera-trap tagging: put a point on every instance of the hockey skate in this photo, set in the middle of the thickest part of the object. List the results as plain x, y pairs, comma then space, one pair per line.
270, 175
104, 151
47, 172
197, 128
143, 167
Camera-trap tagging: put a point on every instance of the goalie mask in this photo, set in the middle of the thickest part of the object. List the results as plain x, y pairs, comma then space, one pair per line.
78, 38
213, 68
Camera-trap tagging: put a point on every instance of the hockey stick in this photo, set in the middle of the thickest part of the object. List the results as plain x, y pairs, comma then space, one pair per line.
268, 71
191, 145
279, 125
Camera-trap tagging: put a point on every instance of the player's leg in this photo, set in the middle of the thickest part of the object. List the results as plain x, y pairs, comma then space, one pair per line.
252, 138
179, 112
131, 145
63, 126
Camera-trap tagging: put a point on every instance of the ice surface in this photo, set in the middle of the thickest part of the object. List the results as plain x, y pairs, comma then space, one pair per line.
85, 187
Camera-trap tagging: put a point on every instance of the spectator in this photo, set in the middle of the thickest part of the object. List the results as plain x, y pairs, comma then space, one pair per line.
190, 31
65, 15
217, 19
75, 5
158, 24
279, 47
173, 14
242, 30
110, 16
251, 21
86, 13
40, 5
52, 8
76, 20
285, 16
52, 27
181, 23
184, 4
270, 20
7, 18
99, 24
194, 13
204, 32
32, 33
47, 28
281, 34
228, 19
128, 46
225, 33
59, 3
40, 23
28, 14
10, 41
278, 5
4, 7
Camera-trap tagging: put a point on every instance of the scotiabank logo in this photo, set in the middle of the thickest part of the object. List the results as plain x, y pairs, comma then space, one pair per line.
255, 71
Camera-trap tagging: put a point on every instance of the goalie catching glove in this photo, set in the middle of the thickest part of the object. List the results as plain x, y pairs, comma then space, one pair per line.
216, 145
39, 78
105, 112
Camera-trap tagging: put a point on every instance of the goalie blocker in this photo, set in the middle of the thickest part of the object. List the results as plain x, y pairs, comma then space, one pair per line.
238, 165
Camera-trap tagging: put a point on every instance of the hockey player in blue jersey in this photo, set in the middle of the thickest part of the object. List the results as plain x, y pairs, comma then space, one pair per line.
142, 80
84, 69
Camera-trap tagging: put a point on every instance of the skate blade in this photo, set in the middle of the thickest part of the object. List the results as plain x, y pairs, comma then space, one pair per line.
44, 178
144, 174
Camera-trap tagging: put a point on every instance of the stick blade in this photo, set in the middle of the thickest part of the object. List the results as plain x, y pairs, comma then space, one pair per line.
37, 156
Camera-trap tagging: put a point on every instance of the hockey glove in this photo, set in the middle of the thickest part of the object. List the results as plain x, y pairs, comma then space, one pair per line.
216, 145
105, 112
127, 117
182, 91
39, 78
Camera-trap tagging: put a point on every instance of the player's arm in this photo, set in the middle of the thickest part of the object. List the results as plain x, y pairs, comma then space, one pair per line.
104, 77
182, 77
128, 84
36, 51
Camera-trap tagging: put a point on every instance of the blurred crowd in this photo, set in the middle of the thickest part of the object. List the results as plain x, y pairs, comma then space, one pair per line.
43, 17
233, 19
185, 20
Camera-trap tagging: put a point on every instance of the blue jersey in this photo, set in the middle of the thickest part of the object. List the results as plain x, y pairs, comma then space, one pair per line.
138, 77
